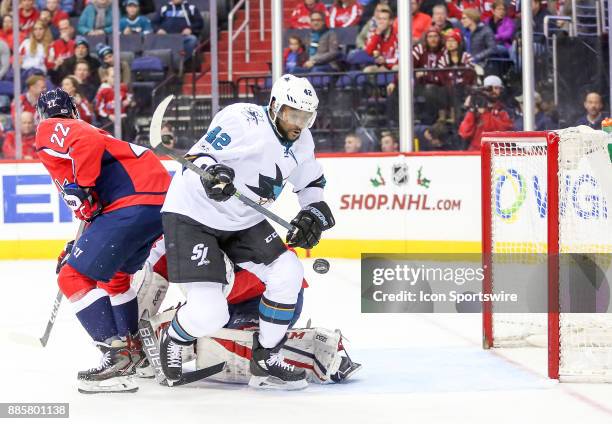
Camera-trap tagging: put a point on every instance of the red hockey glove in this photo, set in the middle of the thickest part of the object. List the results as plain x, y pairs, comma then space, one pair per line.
82, 203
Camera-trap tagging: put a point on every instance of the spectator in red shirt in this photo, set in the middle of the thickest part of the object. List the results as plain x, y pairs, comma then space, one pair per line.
105, 98
344, 13
61, 49
485, 113
35, 85
28, 15
421, 22
6, 33
370, 26
486, 9
456, 57
300, 17
28, 135
358, 58
455, 80
426, 54
295, 55
383, 45
71, 86
57, 14
456, 7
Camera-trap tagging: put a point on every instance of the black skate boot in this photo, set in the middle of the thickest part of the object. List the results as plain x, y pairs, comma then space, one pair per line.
113, 375
171, 356
270, 371
346, 370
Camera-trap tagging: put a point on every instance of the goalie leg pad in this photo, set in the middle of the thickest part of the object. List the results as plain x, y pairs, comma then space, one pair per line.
316, 350
151, 288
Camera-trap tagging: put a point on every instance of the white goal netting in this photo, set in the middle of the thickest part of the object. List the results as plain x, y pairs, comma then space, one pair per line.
519, 233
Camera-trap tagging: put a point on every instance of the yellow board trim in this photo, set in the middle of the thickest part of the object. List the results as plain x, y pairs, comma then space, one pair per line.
354, 248
49, 249
30, 249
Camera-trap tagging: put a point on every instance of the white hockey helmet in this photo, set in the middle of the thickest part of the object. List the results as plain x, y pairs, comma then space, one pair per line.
298, 94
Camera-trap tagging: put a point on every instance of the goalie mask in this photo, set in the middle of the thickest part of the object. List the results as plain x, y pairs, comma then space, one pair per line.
293, 100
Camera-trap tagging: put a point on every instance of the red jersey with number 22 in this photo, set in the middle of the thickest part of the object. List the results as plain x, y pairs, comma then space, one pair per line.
119, 173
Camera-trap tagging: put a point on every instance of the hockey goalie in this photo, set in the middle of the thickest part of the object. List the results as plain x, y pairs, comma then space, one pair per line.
318, 351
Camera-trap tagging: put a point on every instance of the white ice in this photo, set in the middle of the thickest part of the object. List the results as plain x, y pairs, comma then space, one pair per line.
418, 368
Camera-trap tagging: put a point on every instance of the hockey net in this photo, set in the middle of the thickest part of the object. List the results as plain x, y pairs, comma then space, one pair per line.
544, 196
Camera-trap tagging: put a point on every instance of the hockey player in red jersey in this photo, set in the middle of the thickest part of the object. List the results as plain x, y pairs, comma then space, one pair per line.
118, 188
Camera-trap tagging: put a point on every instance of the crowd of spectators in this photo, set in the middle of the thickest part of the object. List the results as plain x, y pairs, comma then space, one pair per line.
56, 50
465, 56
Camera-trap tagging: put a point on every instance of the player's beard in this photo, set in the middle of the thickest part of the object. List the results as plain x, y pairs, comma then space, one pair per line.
290, 135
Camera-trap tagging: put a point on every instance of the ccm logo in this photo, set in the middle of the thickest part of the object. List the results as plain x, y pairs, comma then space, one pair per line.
271, 237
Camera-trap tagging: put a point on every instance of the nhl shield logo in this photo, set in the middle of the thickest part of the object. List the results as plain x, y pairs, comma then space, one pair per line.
400, 174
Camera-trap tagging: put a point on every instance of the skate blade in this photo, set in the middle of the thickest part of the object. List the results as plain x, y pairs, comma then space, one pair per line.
111, 385
351, 371
273, 383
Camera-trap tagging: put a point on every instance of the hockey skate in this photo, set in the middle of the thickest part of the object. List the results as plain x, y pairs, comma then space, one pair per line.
270, 371
347, 369
171, 356
141, 363
114, 374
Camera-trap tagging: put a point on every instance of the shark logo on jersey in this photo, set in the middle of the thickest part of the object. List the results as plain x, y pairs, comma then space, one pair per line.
269, 188
253, 114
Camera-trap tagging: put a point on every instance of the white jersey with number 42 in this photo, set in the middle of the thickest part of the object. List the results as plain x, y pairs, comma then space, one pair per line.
241, 136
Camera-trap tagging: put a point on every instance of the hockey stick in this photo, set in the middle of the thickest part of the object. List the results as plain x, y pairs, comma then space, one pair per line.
197, 375
156, 143
58, 299
56, 305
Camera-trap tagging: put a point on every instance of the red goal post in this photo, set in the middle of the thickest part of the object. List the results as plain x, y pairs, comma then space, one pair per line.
524, 221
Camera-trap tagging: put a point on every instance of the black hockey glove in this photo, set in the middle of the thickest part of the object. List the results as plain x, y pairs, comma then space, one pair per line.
63, 257
309, 223
221, 186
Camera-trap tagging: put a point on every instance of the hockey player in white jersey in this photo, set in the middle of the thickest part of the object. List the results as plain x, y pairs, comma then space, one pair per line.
256, 150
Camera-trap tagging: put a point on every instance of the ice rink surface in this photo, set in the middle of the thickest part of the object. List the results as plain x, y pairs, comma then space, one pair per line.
417, 368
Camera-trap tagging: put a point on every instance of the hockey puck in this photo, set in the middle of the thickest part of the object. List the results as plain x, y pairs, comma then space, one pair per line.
320, 266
